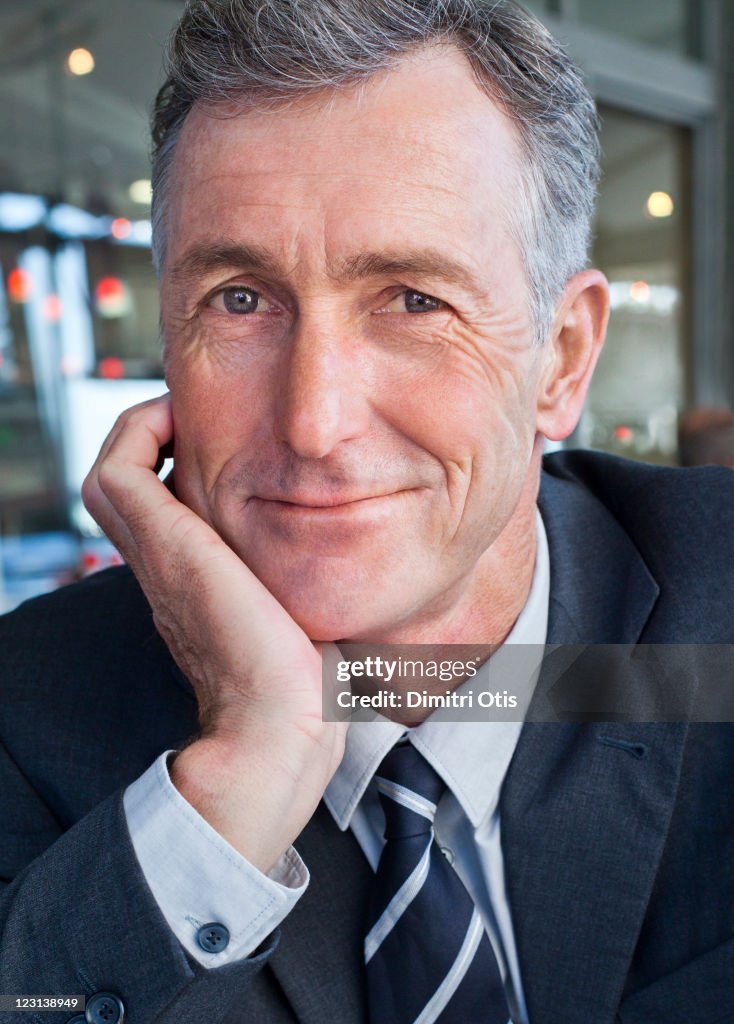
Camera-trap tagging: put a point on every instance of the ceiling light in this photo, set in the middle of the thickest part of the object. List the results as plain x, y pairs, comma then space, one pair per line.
659, 204
80, 61
141, 192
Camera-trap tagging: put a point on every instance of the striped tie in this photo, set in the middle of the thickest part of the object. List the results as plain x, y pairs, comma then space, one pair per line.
427, 954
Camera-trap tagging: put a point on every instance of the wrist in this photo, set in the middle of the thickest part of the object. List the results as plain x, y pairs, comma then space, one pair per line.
257, 791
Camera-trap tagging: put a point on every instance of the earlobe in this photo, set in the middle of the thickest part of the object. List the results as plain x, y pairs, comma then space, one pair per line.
574, 346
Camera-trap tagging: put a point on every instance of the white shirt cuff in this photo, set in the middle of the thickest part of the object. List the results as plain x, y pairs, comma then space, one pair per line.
198, 878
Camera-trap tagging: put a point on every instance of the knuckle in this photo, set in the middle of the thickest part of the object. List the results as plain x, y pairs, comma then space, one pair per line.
89, 491
128, 417
121, 421
136, 413
107, 477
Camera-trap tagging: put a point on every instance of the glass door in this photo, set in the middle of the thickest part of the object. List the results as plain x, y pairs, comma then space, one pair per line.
641, 243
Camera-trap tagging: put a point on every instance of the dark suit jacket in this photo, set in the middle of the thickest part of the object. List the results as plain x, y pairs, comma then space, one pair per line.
618, 838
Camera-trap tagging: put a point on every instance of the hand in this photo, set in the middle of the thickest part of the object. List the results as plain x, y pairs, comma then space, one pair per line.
265, 755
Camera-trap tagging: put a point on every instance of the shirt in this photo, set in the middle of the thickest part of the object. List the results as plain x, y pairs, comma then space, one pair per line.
472, 758
197, 877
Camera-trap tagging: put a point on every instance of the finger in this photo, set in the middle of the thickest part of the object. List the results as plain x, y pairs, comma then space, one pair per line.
127, 475
196, 585
166, 452
93, 494
158, 535
144, 430
150, 425
123, 419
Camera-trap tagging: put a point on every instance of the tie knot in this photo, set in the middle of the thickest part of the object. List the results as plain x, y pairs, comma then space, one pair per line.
409, 791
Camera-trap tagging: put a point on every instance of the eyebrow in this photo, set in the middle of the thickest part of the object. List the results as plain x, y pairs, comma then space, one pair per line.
422, 262
207, 257
427, 263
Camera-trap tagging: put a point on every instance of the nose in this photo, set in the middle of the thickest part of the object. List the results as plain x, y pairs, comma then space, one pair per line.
322, 401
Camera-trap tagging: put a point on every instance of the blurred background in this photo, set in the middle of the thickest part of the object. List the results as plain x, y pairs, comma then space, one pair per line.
78, 300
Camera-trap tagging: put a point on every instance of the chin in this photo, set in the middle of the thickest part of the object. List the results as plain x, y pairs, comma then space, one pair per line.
327, 611
329, 621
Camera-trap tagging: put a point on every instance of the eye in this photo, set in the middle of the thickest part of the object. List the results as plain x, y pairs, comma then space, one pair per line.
239, 299
410, 301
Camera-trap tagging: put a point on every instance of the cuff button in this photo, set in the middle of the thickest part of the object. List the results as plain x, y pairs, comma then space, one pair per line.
104, 1008
213, 937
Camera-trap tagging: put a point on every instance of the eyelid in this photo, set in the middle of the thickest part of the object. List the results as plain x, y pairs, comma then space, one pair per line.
274, 305
233, 286
443, 305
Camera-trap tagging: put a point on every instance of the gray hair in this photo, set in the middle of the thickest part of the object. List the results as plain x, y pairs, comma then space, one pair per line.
268, 51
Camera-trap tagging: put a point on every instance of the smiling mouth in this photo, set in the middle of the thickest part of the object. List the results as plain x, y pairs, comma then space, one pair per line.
334, 506
321, 505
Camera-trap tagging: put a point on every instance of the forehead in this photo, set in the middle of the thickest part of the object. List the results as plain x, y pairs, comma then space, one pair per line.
419, 152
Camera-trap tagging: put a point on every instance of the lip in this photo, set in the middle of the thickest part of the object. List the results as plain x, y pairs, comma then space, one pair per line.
329, 507
341, 502
339, 528
325, 506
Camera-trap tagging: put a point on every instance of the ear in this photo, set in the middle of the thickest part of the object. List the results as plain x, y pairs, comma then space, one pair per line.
573, 348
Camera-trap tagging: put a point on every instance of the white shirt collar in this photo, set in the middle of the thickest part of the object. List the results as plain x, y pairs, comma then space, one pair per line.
471, 757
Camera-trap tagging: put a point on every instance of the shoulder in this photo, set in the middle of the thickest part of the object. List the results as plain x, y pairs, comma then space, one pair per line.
690, 504
681, 521
87, 683
80, 622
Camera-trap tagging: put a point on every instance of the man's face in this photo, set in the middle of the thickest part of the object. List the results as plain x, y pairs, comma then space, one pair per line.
349, 346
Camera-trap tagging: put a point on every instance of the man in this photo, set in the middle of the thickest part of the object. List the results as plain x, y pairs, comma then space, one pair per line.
371, 224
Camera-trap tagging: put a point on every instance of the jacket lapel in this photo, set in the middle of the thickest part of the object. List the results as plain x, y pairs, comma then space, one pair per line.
585, 808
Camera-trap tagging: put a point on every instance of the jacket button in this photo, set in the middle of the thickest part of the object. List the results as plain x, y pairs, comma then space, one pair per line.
104, 1008
213, 937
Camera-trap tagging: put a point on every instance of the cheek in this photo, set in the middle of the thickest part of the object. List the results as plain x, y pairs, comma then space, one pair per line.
211, 370
477, 419
216, 413
467, 411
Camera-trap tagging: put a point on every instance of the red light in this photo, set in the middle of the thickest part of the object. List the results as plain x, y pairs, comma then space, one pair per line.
52, 308
19, 285
89, 560
120, 227
112, 298
640, 291
109, 288
623, 434
112, 368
